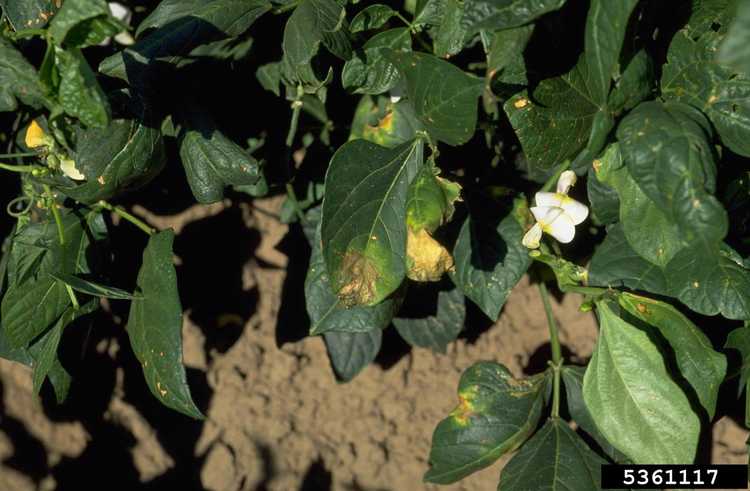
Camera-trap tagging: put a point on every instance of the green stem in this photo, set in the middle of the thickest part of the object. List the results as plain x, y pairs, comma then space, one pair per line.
73, 298
404, 20
556, 362
17, 168
27, 33
55, 214
61, 237
121, 212
552, 181
286, 8
20, 154
293, 124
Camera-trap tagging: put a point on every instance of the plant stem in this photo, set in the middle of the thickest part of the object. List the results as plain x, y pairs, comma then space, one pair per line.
55, 214
20, 154
556, 362
552, 181
291, 194
121, 212
61, 237
17, 168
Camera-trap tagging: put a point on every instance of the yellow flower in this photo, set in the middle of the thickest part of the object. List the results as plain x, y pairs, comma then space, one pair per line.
36, 137
556, 214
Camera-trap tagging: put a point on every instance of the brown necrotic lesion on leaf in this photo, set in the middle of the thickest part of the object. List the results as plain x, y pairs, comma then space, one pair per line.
359, 278
427, 259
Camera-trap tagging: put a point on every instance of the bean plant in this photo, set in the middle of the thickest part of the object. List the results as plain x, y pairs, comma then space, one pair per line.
432, 152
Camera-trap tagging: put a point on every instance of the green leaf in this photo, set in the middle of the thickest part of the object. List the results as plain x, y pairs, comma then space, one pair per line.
371, 73
28, 14
18, 80
168, 11
363, 227
91, 288
327, 313
555, 458
569, 113
212, 161
182, 28
269, 77
605, 31
47, 354
651, 233
693, 76
34, 300
733, 51
155, 327
616, 264
81, 23
434, 331
489, 260
384, 122
632, 399
702, 367
506, 51
43, 353
495, 415
350, 352
554, 122
635, 85
739, 339
371, 17
450, 36
710, 280
604, 201
572, 377
121, 157
308, 26
80, 94
495, 15
443, 96
667, 152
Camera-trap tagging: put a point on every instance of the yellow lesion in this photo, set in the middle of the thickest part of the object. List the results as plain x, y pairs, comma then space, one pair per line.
161, 390
465, 409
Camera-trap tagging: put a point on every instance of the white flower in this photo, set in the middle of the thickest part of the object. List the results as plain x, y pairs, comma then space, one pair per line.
124, 15
556, 213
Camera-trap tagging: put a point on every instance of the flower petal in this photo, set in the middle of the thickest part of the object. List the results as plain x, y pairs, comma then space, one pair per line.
575, 210
566, 181
561, 228
68, 167
540, 212
35, 136
532, 237
548, 199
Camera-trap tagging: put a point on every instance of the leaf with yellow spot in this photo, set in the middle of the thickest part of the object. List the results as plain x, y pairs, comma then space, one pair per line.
383, 122
155, 327
495, 415
701, 366
363, 229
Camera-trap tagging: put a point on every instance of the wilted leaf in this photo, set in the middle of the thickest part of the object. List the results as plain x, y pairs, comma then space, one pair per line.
309, 25
18, 80
81, 23
212, 161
